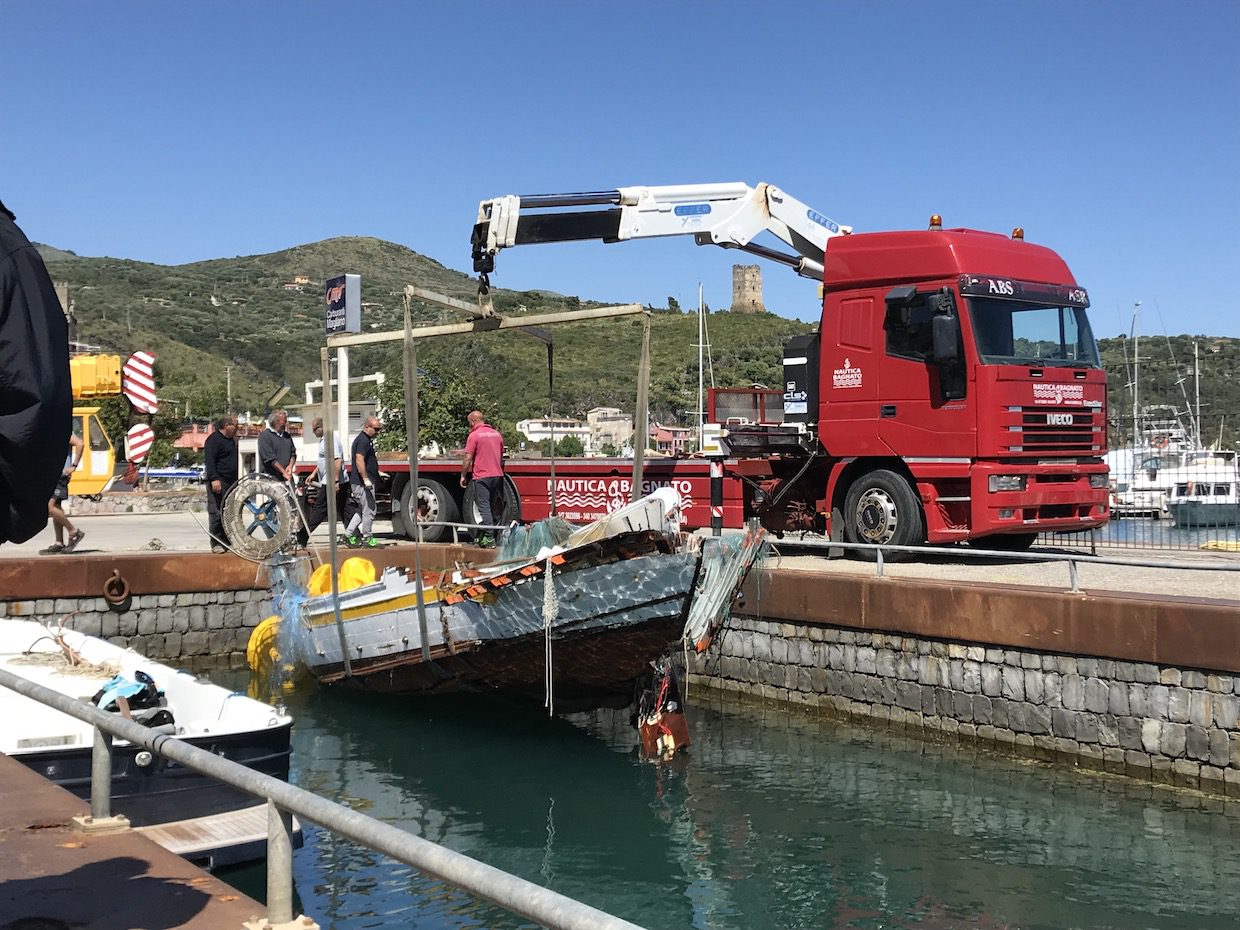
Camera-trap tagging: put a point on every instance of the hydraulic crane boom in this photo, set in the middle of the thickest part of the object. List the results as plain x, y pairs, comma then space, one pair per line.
729, 215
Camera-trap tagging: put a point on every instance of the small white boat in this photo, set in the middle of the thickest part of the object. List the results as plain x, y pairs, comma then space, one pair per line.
147, 789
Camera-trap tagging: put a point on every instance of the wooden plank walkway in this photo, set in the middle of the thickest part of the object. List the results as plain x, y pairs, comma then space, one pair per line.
52, 876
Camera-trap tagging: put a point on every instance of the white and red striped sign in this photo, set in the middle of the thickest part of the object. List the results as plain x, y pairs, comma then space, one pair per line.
138, 442
138, 382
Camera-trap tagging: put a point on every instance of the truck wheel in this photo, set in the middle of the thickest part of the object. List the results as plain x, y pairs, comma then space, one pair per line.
511, 511
882, 509
1008, 542
439, 505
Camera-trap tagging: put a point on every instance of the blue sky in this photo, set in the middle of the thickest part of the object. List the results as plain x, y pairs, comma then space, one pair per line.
176, 132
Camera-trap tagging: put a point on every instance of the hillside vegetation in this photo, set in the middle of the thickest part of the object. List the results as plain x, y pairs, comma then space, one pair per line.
204, 318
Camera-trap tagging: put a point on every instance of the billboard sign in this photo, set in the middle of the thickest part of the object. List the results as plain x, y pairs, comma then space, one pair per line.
344, 304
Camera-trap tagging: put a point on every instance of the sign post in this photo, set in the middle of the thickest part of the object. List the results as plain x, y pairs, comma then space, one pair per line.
343, 315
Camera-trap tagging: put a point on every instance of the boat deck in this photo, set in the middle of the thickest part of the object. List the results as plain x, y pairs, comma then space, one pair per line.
55, 876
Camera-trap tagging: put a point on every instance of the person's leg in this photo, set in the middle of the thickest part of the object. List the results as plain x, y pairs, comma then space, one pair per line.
58, 519
215, 517
358, 493
369, 509
482, 499
316, 513
346, 506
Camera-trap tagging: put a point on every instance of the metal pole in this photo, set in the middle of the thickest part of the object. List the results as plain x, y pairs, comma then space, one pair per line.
329, 450
716, 497
524, 898
641, 433
279, 864
411, 435
101, 776
551, 410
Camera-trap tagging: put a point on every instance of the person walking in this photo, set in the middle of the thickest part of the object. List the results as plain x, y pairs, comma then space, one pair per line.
362, 479
483, 471
60, 521
316, 510
37, 407
221, 466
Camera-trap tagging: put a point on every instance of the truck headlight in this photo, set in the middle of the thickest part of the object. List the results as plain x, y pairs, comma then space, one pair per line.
1099, 481
1007, 483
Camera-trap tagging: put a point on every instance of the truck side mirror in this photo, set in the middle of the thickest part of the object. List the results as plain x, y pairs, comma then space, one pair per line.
946, 334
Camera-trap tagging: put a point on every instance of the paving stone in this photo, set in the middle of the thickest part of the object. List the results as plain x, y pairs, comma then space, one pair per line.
1226, 710
1193, 679
981, 710
1169, 676
1172, 740
1108, 730
1035, 689
1097, 695
1073, 688
1220, 748
1197, 743
992, 680
1145, 673
1178, 704
1158, 698
1013, 683
1151, 736
1087, 728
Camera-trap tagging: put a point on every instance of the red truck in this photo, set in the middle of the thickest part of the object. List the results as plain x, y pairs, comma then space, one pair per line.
953, 390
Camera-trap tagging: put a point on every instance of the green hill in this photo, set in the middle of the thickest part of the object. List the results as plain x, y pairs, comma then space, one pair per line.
246, 321
250, 315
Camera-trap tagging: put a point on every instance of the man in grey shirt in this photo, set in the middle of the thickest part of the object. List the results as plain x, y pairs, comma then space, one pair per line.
276, 452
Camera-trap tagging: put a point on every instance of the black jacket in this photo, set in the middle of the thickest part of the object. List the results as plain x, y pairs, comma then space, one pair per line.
36, 396
220, 458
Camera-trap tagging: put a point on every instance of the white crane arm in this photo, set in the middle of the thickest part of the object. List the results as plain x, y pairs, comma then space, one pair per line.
728, 215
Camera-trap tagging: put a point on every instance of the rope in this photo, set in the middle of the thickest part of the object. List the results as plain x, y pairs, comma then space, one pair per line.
550, 612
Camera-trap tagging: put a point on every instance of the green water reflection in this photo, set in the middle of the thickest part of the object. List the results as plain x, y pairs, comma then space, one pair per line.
772, 821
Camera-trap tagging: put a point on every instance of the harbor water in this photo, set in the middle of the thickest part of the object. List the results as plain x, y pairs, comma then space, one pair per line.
773, 819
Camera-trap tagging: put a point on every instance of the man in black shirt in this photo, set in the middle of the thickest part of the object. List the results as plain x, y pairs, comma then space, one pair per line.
362, 479
36, 410
220, 454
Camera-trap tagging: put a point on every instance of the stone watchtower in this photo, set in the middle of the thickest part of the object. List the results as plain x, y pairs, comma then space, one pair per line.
747, 289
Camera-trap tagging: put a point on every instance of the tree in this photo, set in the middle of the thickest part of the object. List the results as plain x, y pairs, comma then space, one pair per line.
445, 399
570, 446
673, 305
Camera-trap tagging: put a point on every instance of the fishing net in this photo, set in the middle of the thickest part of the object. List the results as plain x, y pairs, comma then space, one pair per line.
526, 542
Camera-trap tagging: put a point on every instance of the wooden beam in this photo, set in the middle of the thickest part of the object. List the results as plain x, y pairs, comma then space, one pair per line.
485, 325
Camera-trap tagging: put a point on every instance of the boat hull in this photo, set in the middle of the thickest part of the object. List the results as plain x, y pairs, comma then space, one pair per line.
608, 621
162, 791
1191, 513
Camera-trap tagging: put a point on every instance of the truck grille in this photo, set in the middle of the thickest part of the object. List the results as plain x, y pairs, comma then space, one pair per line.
1057, 431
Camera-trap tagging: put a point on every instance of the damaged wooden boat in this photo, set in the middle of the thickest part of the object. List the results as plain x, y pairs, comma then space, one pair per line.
581, 619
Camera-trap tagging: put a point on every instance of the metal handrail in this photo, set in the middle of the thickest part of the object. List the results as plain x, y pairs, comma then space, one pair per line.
1072, 559
517, 895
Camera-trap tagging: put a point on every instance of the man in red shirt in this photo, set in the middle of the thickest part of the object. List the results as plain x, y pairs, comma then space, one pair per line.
484, 458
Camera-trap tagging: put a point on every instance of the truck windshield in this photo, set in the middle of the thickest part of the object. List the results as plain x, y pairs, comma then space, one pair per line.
1019, 332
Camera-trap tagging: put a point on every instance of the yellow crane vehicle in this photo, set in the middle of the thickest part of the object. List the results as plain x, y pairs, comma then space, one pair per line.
94, 377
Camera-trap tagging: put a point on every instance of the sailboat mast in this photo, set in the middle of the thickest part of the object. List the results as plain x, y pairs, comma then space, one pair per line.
1198, 440
1136, 376
701, 409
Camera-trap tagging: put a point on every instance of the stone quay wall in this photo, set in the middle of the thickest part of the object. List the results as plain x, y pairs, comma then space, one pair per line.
1156, 722
196, 629
189, 609
175, 501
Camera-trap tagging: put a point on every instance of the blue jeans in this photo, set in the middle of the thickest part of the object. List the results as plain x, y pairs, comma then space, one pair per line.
489, 496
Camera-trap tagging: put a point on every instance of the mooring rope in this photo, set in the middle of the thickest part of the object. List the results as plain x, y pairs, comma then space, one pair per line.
550, 612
